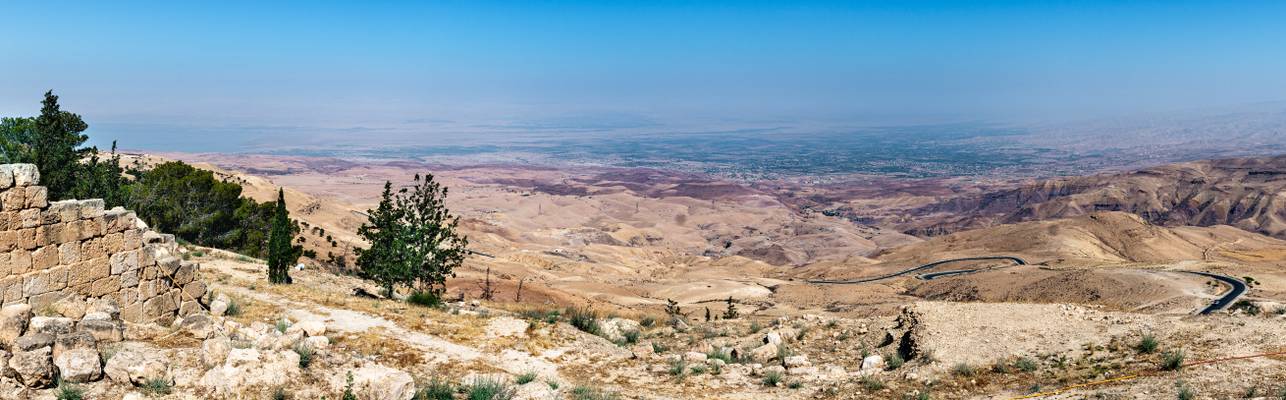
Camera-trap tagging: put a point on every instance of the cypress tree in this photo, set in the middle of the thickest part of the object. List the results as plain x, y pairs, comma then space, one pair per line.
281, 253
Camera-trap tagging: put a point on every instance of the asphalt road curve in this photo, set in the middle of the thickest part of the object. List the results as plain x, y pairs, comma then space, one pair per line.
1238, 288
1016, 260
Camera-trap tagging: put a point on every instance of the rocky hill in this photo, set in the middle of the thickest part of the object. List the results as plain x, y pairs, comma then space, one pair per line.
1246, 193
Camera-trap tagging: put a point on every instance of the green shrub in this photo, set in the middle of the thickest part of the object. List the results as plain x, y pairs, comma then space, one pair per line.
584, 318
755, 327
157, 387
772, 378
305, 355
553, 384
489, 389
871, 383
1147, 344
647, 322
436, 389
69, 392
525, 378
631, 336
698, 369
280, 394
1025, 364
1000, 367
963, 369
348, 388
589, 393
234, 308
1184, 391
678, 367
1172, 360
717, 354
795, 385
893, 361
659, 348
282, 325
425, 298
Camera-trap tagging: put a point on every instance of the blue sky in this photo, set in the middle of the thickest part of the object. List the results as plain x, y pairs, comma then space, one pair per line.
177, 74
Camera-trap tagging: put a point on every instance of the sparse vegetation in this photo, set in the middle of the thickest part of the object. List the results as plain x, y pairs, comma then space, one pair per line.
1172, 360
964, 370
436, 389
589, 393
772, 378
1147, 344
871, 383
631, 336
348, 388
1246, 306
489, 389
1026, 364
678, 367
157, 387
584, 318
893, 361
525, 378
280, 394
1185, 392
67, 391
305, 355
413, 239
731, 311
795, 384
423, 298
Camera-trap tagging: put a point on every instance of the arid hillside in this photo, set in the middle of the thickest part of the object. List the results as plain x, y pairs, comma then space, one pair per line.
1246, 193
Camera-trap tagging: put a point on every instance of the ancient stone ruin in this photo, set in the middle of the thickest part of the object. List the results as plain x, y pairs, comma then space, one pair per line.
76, 251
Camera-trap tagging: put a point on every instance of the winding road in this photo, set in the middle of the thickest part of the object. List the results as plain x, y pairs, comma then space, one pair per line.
1237, 289
1236, 285
1016, 260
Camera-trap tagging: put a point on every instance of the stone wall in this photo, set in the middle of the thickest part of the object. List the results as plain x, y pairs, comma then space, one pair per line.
52, 251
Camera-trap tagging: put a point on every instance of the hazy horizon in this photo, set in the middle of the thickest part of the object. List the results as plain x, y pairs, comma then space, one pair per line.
242, 76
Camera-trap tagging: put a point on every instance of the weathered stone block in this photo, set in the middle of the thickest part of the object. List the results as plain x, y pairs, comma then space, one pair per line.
8, 240
68, 253
14, 199
90, 228
6, 177
27, 239
24, 174
37, 197
9, 220
12, 288
194, 290
19, 262
35, 283
30, 217
91, 249
92, 208
129, 279
124, 261
88, 271
45, 258
113, 242
106, 286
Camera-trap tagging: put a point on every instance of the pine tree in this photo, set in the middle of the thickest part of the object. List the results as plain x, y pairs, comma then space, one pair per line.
58, 136
414, 239
281, 254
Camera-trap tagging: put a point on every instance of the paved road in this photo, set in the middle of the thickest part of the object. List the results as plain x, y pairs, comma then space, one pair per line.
1238, 288
1016, 260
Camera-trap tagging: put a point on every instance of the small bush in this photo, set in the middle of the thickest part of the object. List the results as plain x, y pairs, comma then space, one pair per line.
659, 348
69, 392
348, 388
1185, 392
436, 389
280, 394
772, 378
698, 369
589, 393
755, 327
893, 361
234, 308
1147, 344
305, 355
489, 389
585, 319
631, 336
795, 385
678, 367
1172, 360
647, 322
282, 325
963, 369
719, 355
872, 383
553, 384
424, 298
1000, 367
525, 378
157, 387
1025, 364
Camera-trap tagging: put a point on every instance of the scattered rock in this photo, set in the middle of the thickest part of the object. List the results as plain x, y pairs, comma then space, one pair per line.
34, 368
874, 361
103, 330
13, 322
796, 361
79, 365
136, 363
693, 356
376, 381
214, 351
51, 325
764, 353
772, 338
32, 341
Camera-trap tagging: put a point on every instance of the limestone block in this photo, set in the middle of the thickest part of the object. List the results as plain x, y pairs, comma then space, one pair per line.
91, 249
133, 239
37, 197
19, 262
24, 174
8, 240
35, 368
113, 242
27, 239
105, 286
13, 199
30, 217
124, 261
45, 258
69, 253
6, 177
92, 208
